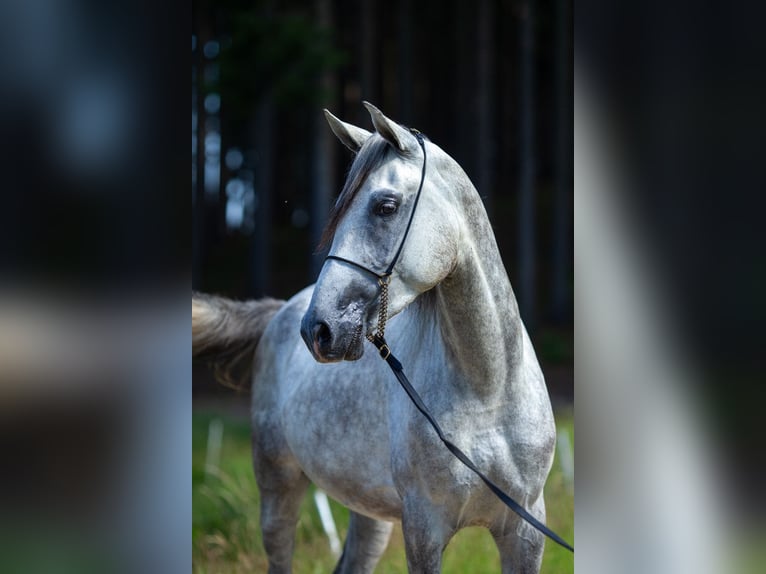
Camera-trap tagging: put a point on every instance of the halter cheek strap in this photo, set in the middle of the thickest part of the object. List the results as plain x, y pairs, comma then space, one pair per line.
385, 278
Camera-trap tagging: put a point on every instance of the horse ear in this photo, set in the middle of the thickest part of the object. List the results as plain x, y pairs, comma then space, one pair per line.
351, 136
399, 137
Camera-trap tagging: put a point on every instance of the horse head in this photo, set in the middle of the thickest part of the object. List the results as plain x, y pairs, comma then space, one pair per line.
394, 172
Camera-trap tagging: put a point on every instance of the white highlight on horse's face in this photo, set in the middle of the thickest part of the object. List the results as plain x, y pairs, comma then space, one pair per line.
346, 298
430, 250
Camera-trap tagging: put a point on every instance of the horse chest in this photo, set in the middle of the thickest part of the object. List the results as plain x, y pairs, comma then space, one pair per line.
420, 460
336, 429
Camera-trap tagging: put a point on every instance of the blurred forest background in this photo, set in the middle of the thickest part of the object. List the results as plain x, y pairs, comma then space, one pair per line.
489, 81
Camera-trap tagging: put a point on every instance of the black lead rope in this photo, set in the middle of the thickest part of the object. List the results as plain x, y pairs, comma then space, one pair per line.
398, 370
396, 367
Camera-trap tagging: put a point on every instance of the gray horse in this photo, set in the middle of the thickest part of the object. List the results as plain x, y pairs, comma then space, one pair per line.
335, 416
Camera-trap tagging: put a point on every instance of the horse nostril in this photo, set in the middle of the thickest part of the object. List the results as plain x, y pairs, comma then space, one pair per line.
322, 334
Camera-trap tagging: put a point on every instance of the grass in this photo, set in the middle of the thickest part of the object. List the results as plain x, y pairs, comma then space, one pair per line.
226, 535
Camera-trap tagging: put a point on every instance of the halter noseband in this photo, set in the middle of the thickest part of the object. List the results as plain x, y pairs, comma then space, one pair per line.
385, 278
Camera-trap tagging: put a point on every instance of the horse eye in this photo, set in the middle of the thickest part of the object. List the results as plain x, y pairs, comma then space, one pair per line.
387, 207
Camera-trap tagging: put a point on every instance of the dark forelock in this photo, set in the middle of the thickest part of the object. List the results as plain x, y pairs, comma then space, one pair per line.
367, 160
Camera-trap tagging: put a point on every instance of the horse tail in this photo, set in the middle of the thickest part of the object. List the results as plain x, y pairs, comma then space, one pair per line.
226, 333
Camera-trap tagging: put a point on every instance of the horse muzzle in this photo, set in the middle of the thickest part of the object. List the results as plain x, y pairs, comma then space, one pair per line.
330, 343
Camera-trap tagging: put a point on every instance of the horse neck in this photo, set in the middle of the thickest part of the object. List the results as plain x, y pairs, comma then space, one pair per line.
476, 308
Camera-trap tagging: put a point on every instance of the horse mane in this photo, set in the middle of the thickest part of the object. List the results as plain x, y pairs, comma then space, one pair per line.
369, 157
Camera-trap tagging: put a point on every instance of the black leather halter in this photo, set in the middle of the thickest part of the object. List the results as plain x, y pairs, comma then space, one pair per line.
385, 352
390, 268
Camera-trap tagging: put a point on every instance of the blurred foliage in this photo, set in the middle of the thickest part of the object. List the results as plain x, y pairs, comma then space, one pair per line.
280, 54
555, 345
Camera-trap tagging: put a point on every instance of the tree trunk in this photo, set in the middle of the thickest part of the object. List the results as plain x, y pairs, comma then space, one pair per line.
464, 90
323, 180
263, 135
406, 54
202, 32
485, 144
561, 294
527, 169
369, 70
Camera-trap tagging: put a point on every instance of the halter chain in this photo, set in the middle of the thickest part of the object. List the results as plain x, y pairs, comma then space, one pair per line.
382, 318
